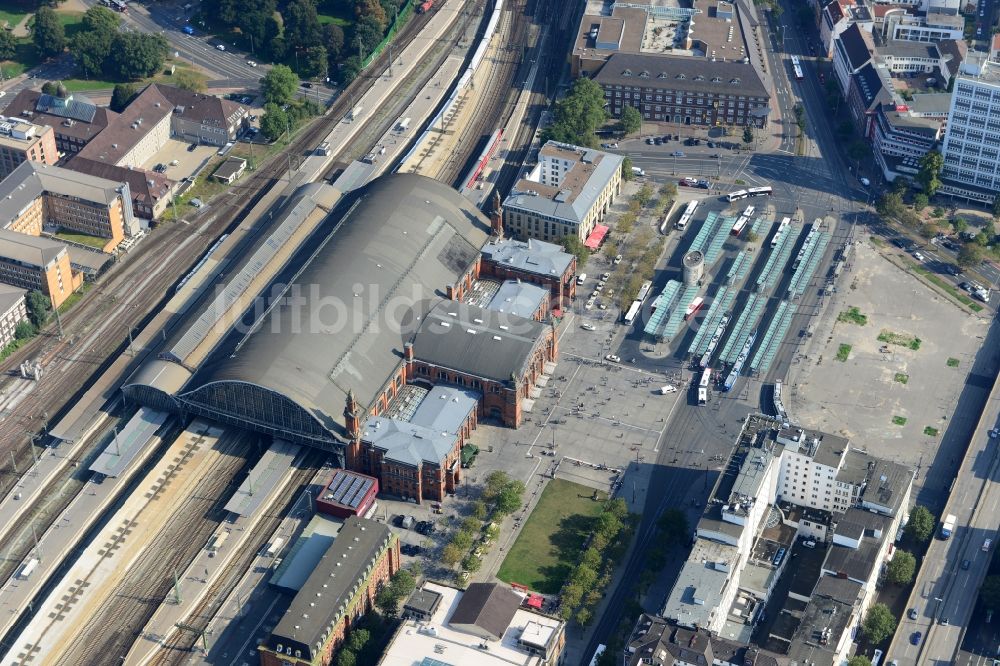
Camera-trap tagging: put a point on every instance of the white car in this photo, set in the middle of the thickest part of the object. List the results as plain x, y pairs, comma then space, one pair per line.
865, 181
589, 305
669, 388
588, 327
221, 47
612, 358
918, 256
618, 260
251, 63
606, 276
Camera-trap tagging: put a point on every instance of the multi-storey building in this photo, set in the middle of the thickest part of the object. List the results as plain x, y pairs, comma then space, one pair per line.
903, 132
74, 118
22, 141
13, 310
37, 196
37, 263
680, 65
362, 559
545, 264
854, 49
972, 142
837, 17
923, 28
568, 193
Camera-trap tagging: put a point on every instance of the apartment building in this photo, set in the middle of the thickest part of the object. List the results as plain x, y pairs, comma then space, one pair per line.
972, 143
133, 137
854, 49
653, 58
568, 193
903, 132
837, 17
13, 310
203, 118
926, 28
22, 141
37, 263
38, 197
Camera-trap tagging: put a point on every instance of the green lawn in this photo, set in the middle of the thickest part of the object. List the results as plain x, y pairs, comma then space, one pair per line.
25, 57
340, 12
843, 353
853, 316
81, 85
953, 362
10, 14
899, 420
931, 431
551, 540
902, 377
83, 239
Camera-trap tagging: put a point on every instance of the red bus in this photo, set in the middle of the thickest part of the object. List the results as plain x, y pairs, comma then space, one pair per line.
692, 309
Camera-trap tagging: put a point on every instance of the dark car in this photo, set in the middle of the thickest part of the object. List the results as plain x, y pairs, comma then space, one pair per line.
953, 269
160, 168
657, 141
307, 85
711, 144
410, 549
192, 147
966, 564
915, 637
950, 245
397, 520
667, 137
697, 142
901, 243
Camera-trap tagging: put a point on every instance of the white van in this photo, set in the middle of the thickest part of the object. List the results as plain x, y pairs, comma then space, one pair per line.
638, 172
581, 278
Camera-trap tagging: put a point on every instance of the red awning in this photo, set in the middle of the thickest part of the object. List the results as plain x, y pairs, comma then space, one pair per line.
596, 237
534, 601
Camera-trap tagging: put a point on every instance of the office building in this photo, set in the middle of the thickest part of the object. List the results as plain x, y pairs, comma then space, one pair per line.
38, 197
75, 119
21, 141
568, 193
37, 263
362, 559
699, 65
972, 142
485, 625
13, 310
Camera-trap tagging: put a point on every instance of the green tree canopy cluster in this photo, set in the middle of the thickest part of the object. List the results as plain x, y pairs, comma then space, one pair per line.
400, 586
920, 527
879, 624
578, 115
101, 48
586, 583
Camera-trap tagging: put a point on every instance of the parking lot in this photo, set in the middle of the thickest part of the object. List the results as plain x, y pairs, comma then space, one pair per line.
188, 161
895, 397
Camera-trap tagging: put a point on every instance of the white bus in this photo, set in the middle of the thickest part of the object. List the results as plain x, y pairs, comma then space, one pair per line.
633, 311
797, 68
597, 654
780, 232
706, 378
741, 224
687, 215
765, 191
736, 196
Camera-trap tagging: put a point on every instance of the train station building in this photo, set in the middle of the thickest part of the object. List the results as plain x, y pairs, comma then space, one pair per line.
375, 297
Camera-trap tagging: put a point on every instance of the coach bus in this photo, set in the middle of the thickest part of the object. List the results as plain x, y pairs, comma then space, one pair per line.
686, 215
781, 230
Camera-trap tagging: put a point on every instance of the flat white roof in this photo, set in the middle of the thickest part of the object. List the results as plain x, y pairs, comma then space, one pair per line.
434, 639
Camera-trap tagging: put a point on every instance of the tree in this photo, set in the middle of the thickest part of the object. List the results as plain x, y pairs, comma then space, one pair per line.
748, 135
350, 69
50, 88
346, 658
879, 624
631, 121
136, 55
859, 660
983, 238
24, 330
100, 18
39, 308
901, 569
47, 32
302, 29
495, 482
274, 122
313, 63
574, 245
471, 525
578, 115
367, 35
333, 40
357, 640
920, 527
920, 201
890, 204
371, 9
279, 85
673, 523
451, 554
970, 255
857, 151
8, 45
509, 499
930, 169
668, 190
471, 563
400, 586
91, 49
627, 173
644, 195
990, 592
995, 210
121, 96
479, 510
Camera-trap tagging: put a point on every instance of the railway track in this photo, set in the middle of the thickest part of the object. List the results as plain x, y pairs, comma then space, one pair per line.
180, 645
112, 627
71, 366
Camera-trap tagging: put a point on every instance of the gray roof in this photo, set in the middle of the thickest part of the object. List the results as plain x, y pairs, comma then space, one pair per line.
30, 179
10, 296
126, 445
856, 563
267, 475
683, 73
875, 87
29, 250
530, 256
130, 127
401, 239
904, 48
938, 103
445, 408
857, 46
423, 601
18, 190
696, 595
88, 262
520, 298
230, 168
306, 623
479, 342
75, 107
407, 443
561, 203
488, 606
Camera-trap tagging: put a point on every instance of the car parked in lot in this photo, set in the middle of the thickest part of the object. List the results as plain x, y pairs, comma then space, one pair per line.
912, 613
915, 637
193, 147
613, 358
588, 327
